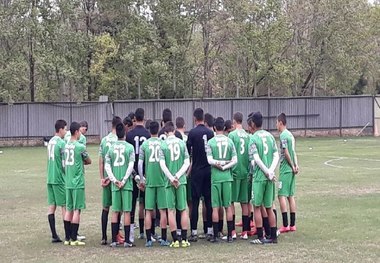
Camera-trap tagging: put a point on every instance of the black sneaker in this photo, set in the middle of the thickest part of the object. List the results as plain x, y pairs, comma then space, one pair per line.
193, 238
261, 241
274, 241
56, 240
209, 237
128, 245
230, 240
214, 239
103, 242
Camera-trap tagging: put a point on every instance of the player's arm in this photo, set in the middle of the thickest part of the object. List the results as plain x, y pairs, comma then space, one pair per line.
254, 155
234, 159
185, 165
108, 169
140, 166
164, 168
288, 158
85, 157
129, 171
210, 159
276, 157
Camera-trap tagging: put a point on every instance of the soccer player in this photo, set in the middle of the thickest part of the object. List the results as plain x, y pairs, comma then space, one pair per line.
56, 193
228, 127
264, 158
166, 117
240, 139
136, 137
83, 130
174, 162
288, 170
75, 157
180, 124
221, 155
128, 123
155, 184
105, 144
200, 172
120, 159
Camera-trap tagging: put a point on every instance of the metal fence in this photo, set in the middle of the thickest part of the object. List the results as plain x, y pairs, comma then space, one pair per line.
304, 113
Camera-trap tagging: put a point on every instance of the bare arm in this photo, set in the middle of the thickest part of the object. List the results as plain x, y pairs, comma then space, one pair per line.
101, 167
183, 169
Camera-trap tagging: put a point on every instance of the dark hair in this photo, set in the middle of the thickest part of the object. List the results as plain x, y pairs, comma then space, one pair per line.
227, 125
60, 124
199, 114
166, 115
180, 123
147, 124
120, 130
128, 121
84, 124
282, 118
131, 115
256, 118
219, 124
238, 117
139, 114
115, 120
169, 127
74, 126
209, 120
154, 126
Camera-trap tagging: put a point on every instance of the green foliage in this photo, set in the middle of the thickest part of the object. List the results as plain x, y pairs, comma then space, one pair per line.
81, 49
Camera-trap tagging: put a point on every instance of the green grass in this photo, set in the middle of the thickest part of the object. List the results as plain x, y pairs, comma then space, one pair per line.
337, 220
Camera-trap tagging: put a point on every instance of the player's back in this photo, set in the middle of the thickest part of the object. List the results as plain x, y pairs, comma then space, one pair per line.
82, 139
265, 146
75, 153
221, 148
163, 136
174, 153
118, 157
136, 137
240, 139
55, 170
287, 141
153, 173
196, 142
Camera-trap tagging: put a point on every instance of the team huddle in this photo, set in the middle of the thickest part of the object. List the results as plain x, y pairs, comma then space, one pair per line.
218, 163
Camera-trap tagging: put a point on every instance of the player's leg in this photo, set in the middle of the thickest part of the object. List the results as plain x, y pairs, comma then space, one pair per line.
206, 192
221, 222
195, 198
106, 202
68, 215
161, 201
149, 206
53, 202
184, 217
283, 194
127, 208
226, 203
135, 194
265, 218
141, 214
171, 203
292, 204
216, 197
269, 194
116, 211
258, 189
243, 199
79, 203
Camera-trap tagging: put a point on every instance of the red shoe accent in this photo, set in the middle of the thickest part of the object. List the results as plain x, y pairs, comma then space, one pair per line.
252, 232
252, 224
292, 228
284, 229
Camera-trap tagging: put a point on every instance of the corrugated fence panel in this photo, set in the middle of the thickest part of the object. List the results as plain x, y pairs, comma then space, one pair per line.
179, 109
323, 113
42, 118
87, 112
357, 112
295, 110
122, 109
247, 106
13, 120
221, 108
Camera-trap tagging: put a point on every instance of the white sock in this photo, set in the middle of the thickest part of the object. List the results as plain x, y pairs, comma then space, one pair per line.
132, 233
210, 231
194, 232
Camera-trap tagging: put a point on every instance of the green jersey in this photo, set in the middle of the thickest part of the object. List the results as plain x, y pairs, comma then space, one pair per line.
240, 138
263, 144
119, 156
287, 142
105, 144
55, 170
75, 154
149, 153
82, 139
221, 148
174, 153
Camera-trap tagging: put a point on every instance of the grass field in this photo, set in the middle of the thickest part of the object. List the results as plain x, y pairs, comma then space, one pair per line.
338, 194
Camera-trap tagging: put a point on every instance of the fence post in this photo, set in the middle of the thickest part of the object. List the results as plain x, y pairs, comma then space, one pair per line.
340, 116
306, 117
373, 116
27, 124
268, 113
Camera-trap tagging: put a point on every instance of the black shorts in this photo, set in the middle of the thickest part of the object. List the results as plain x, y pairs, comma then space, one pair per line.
201, 182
